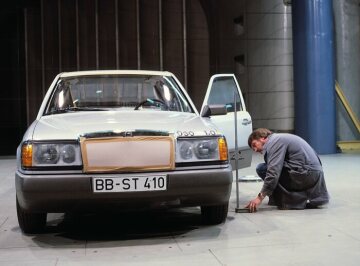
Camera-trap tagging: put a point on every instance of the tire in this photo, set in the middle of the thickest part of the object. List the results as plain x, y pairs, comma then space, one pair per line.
214, 214
30, 223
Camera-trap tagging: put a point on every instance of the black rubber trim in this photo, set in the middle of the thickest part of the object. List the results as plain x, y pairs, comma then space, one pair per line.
201, 163
53, 168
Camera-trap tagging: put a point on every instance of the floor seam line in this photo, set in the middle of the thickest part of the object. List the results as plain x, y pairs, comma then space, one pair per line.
218, 260
7, 218
177, 243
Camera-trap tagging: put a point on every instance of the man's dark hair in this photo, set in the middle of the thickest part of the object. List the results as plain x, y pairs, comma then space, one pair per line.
259, 133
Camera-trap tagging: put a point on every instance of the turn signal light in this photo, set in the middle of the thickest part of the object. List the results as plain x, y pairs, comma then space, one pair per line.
26, 155
223, 151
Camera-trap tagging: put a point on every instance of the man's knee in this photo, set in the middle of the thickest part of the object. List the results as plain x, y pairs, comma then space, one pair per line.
261, 170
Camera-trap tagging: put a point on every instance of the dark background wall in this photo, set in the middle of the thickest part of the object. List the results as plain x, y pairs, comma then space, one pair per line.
12, 73
40, 38
72, 35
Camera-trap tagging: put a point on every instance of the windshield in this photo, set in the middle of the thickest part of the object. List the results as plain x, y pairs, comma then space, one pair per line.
135, 92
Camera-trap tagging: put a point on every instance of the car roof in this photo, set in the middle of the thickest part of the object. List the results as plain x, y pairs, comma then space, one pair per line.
114, 72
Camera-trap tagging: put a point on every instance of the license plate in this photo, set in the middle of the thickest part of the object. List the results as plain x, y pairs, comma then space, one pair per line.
130, 183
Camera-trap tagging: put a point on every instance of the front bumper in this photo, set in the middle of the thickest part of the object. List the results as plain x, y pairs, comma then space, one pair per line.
73, 192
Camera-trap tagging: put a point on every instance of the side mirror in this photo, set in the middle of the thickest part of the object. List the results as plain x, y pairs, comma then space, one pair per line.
215, 109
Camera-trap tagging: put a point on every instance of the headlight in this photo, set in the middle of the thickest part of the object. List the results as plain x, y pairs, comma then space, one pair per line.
186, 150
201, 149
34, 154
68, 153
46, 154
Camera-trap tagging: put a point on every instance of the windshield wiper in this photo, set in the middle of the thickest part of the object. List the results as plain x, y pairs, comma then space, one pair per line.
73, 109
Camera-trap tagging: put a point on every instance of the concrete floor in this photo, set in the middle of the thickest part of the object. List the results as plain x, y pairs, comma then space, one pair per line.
328, 236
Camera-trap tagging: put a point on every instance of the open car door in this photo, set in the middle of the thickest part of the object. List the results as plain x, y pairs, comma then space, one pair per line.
222, 90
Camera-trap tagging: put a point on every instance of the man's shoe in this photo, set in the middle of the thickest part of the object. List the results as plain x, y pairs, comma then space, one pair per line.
311, 206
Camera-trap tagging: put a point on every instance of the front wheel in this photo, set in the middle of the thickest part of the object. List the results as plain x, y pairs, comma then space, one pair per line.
30, 223
214, 214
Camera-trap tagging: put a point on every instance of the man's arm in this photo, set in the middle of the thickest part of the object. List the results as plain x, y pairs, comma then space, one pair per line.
275, 161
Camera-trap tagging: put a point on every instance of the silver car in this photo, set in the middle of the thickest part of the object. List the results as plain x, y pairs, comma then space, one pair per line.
129, 140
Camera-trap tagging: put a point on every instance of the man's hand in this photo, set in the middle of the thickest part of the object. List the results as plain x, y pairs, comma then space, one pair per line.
253, 204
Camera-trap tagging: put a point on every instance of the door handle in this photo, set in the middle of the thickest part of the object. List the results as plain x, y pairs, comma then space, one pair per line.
246, 121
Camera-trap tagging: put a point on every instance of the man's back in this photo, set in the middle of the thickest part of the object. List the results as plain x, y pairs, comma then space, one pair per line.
296, 152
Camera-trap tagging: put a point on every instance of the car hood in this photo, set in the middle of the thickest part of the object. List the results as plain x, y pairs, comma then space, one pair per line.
73, 125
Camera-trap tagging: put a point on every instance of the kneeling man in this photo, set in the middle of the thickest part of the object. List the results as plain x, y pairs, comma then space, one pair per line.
292, 172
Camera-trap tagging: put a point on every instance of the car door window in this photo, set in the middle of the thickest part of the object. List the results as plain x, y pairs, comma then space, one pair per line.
223, 89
